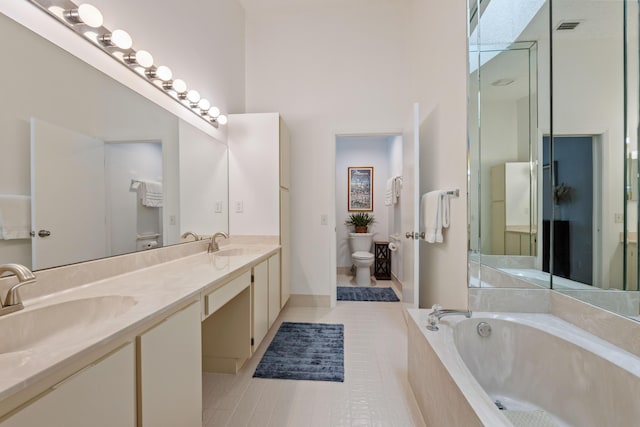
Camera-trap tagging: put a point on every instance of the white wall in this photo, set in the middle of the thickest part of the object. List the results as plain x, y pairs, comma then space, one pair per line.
361, 151
330, 69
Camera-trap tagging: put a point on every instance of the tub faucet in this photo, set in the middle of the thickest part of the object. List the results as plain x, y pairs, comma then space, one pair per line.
438, 313
12, 301
190, 233
213, 244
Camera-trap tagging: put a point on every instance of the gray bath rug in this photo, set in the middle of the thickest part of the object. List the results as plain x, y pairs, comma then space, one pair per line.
305, 351
349, 293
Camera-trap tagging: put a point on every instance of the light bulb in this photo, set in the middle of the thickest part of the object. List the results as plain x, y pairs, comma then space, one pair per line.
179, 86
144, 58
204, 105
121, 39
164, 73
222, 119
84, 14
193, 96
214, 112
141, 58
90, 15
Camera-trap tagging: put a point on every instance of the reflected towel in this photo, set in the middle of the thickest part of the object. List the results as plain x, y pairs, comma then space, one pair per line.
397, 187
150, 193
15, 217
434, 215
388, 195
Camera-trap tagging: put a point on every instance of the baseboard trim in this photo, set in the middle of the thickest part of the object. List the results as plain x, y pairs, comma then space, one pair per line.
302, 300
344, 270
396, 282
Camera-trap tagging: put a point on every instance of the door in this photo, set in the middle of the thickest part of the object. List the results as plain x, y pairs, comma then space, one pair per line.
571, 207
67, 212
410, 206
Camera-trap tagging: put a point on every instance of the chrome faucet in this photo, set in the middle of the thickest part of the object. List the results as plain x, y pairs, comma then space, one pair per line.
213, 244
438, 313
190, 233
12, 301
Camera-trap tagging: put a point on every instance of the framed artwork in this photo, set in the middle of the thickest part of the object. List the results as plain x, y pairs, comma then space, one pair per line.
360, 192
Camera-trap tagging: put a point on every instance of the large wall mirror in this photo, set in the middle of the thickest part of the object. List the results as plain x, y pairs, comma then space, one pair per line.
553, 129
91, 168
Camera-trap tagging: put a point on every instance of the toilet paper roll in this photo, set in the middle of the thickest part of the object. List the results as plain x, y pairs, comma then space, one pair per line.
393, 247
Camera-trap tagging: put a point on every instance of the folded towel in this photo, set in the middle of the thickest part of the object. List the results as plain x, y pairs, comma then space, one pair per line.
434, 215
388, 195
150, 193
396, 188
15, 217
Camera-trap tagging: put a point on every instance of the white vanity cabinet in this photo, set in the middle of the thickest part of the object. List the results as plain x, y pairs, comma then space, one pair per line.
274, 288
260, 304
265, 291
170, 372
259, 179
100, 395
511, 230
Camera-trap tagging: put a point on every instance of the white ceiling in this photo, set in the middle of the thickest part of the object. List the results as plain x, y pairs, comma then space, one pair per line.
257, 5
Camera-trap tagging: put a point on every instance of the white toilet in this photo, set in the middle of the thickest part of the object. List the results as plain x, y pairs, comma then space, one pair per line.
361, 257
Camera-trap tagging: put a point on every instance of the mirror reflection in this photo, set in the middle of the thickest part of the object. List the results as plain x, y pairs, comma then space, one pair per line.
552, 171
92, 168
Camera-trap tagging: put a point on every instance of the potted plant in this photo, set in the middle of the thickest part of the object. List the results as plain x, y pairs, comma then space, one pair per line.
360, 220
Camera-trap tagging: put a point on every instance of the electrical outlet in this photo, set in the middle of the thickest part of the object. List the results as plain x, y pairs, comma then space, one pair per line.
218, 206
172, 220
618, 218
239, 206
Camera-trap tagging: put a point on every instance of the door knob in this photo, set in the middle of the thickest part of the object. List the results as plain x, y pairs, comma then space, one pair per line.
44, 233
408, 235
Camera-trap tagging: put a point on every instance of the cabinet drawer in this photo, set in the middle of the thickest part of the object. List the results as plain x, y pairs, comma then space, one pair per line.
226, 293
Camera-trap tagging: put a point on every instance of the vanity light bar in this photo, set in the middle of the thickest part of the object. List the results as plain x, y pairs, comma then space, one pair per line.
87, 21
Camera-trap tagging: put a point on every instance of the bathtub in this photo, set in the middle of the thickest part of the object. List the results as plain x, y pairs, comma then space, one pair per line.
540, 369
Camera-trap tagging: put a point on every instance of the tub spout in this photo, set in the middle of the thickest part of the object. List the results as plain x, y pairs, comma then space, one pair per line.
438, 313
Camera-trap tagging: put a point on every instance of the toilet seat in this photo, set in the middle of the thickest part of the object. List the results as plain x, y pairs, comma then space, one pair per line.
362, 255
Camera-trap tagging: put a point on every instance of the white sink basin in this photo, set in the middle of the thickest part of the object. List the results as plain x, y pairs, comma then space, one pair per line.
27, 329
231, 252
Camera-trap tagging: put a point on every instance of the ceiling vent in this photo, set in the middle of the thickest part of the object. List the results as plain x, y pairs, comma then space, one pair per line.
567, 25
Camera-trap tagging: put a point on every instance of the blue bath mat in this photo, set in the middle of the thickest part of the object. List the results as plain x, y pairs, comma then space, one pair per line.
305, 351
348, 293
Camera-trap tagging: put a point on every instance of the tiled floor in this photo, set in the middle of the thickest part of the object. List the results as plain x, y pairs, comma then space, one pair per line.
375, 392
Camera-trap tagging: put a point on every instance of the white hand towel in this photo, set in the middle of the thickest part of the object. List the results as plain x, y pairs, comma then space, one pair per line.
388, 195
434, 215
150, 193
15, 217
397, 187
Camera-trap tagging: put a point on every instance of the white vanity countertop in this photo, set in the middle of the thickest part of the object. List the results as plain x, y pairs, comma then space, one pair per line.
130, 302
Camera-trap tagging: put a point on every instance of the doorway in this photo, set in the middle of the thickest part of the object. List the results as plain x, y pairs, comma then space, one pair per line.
381, 154
569, 206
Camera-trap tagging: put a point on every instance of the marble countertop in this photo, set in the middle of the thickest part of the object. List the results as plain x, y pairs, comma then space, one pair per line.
106, 314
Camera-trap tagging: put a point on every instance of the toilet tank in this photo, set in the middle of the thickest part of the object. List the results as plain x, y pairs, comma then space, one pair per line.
361, 242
